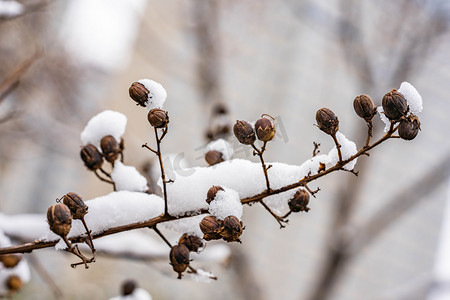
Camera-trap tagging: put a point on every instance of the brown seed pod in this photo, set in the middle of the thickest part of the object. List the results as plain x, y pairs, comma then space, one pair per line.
91, 157
59, 219
193, 242
299, 201
128, 287
210, 227
138, 93
76, 205
265, 129
231, 229
179, 258
364, 107
158, 118
327, 121
110, 148
213, 157
394, 105
10, 260
14, 283
409, 128
212, 192
244, 132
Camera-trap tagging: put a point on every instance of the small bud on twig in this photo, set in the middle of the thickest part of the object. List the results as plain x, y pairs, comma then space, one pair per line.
364, 107
231, 229
394, 105
265, 129
299, 201
14, 283
59, 219
128, 287
76, 205
192, 242
210, 227
244, 132
179, 258
212, 192
110, 148
10, 260
327, 121
409, 128
213, 157
158, 118
138, 93
91, 157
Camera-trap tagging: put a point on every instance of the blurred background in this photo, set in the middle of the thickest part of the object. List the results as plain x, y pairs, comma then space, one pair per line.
375, 236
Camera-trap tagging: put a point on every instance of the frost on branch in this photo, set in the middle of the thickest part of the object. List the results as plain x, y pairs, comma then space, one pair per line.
208, 202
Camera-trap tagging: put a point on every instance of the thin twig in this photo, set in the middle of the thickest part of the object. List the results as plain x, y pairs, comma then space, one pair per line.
369, 133
105, 180
338, 147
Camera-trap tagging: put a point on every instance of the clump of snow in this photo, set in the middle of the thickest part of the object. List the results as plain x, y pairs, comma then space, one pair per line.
113, 210
138, 294
202, 276
412, 96
214, 252
21, 270
105, 123
11, 8
127, 178
348, 148
187, 225
226, 203
387, 123
157, 93
221, 146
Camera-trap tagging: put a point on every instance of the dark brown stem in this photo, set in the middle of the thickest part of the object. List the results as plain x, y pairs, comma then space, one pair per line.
338, 147
316, 149
162, 236
163, 174
90, 243
369, 133
105, 180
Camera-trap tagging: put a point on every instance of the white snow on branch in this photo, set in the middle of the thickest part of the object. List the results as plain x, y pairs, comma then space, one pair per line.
138, 294
11, 8
127, 178
21, 270
226, 203
202, 276
387, 123
157, 93
105, 123
222, 146
348, 148
412, 97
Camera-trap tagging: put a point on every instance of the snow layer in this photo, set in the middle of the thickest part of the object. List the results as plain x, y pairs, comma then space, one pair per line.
138, 294
412, 96
202, 276
226, 203
112, 210
221, 146
22, 269
127, 178
10, 8
105, 123
348, 148
387, 123
157, 93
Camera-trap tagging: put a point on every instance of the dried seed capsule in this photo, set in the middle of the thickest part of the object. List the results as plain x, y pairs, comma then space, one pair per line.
110, 148
10, 260
244, 132
158, 118
210, 227
128, 287
59, 219
364, 107
409, 128
14, 283
193, 242
265, 129
179, 258
138, 93
91, 157
212, 192
299, 201
231, 229
76, 205
213, 157
394, 105
328, 122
